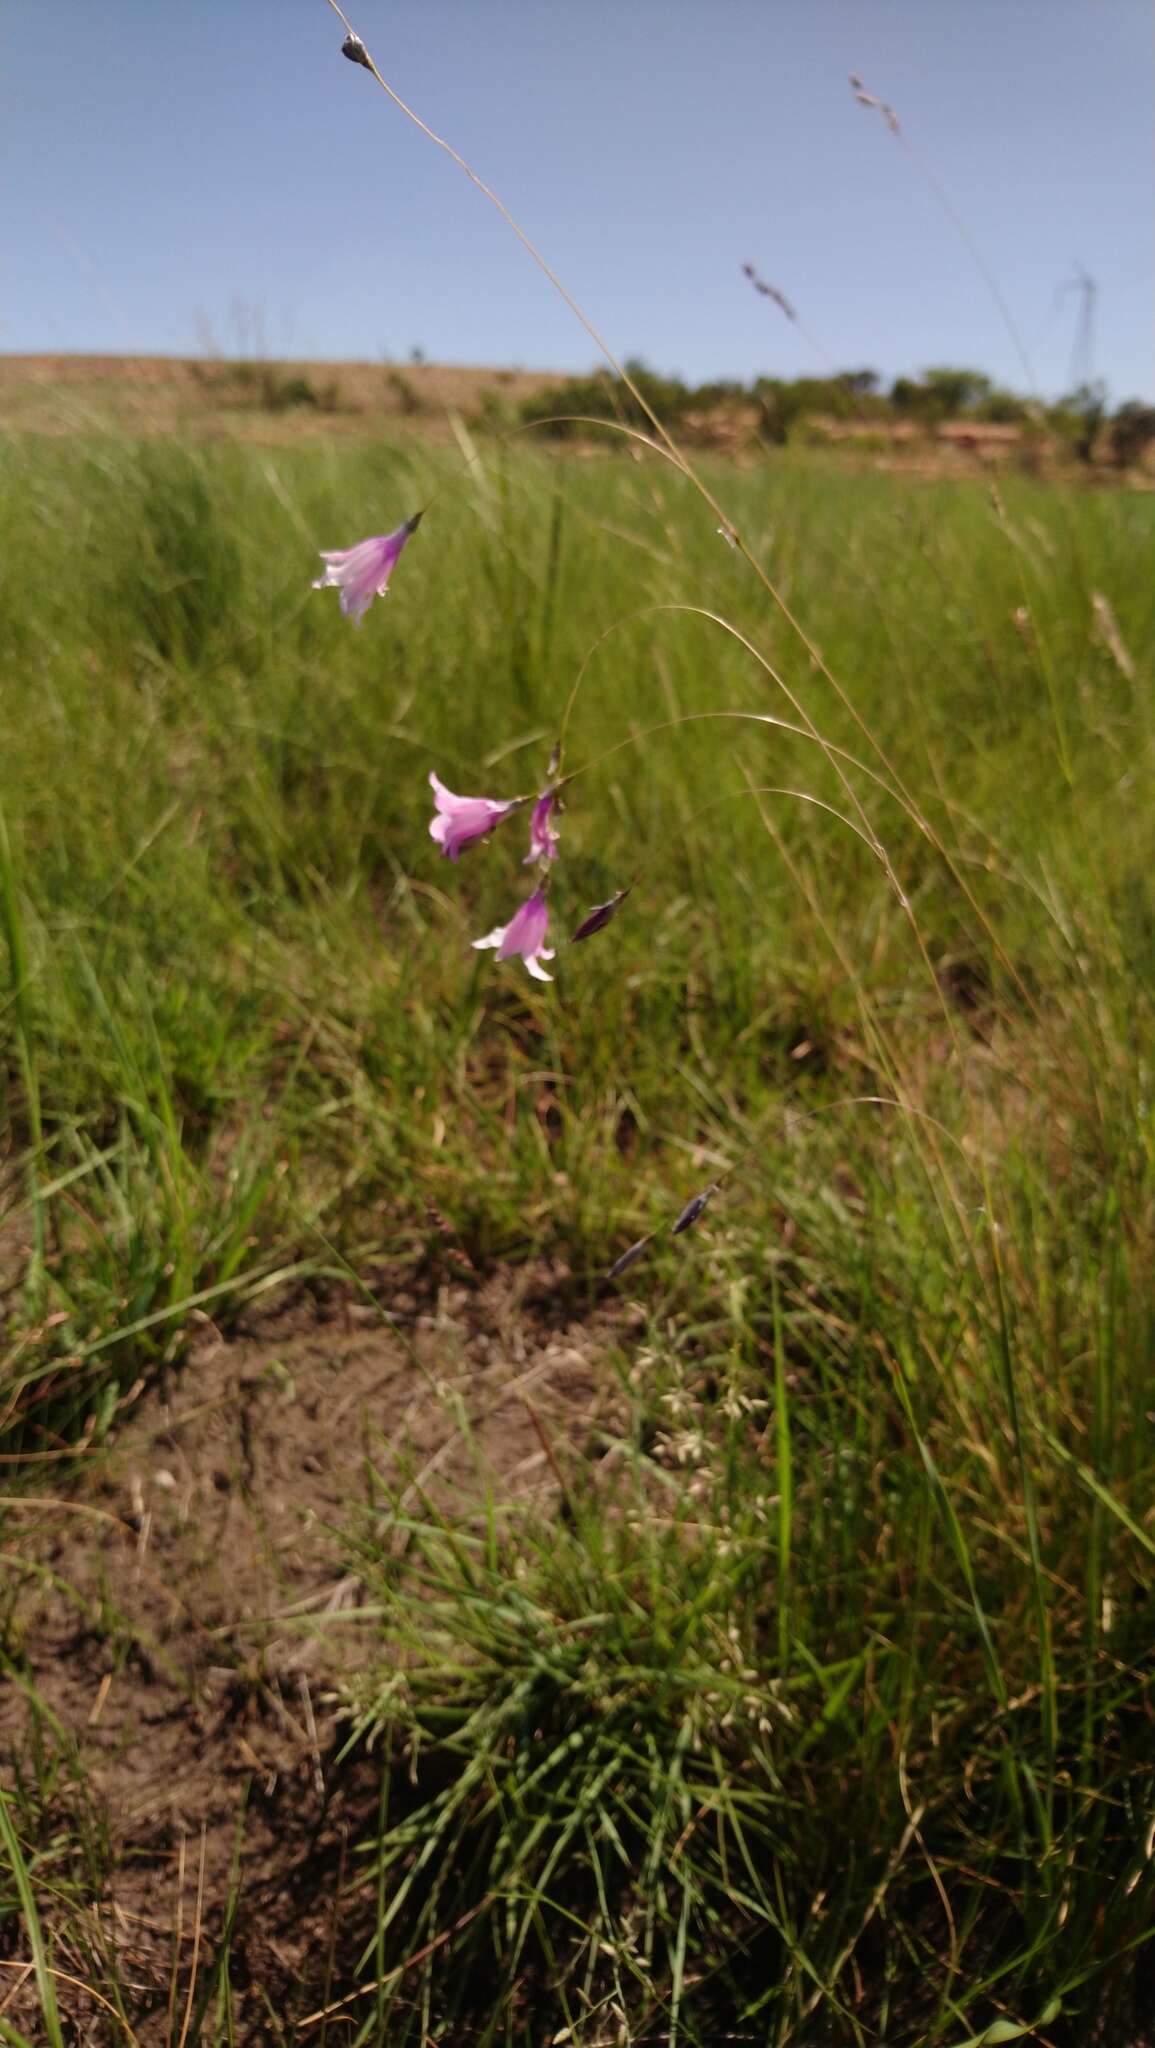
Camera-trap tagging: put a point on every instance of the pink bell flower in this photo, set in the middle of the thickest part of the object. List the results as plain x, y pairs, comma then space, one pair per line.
525, 934
462, 818
362, 573
542, 837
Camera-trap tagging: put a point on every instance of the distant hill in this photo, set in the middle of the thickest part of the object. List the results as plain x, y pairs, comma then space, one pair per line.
255, 400
945, 422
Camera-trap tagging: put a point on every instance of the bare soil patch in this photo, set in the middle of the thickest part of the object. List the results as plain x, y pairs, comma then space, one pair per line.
185, 1615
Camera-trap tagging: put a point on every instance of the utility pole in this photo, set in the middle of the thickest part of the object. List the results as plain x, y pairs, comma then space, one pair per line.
1083, 348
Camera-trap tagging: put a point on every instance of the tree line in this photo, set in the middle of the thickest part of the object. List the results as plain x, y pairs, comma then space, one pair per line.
1082, 421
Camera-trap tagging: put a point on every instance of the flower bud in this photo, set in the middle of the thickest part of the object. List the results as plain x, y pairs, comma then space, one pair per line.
693, 1210
628, 1259
354, 49
599, 917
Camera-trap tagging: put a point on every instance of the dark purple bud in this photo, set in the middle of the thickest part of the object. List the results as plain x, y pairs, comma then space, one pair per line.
354, 49
693, 1210
628, 1259
600, 916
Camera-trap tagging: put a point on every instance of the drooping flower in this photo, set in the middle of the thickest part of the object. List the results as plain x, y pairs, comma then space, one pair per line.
525, 934
542, 837
599, 917
362, 573
462, 818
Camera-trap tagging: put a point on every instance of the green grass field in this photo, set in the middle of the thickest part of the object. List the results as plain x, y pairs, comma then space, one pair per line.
814, 1704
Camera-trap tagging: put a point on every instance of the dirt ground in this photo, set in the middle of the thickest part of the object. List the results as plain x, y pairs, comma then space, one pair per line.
185, 1615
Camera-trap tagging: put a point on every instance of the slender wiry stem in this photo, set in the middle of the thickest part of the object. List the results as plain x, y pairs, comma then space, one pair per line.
671, 447
687, 469
734, 796
764, 718
675, 453
682, 463
805, 1116
835, 754
531, 249
925, 171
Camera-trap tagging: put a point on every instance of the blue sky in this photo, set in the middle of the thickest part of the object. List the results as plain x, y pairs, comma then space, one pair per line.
184, 173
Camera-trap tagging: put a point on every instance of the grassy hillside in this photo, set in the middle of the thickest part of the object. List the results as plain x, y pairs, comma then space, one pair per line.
814, 1703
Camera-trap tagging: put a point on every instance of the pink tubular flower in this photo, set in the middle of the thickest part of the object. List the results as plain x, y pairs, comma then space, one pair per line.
542, 837
525, 934
362, 573
462, 818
